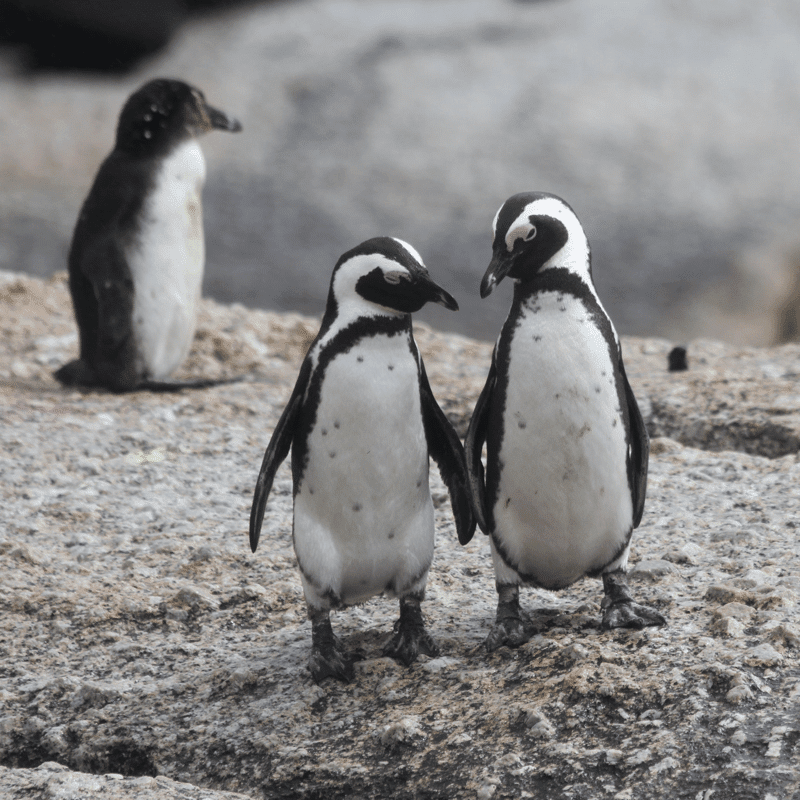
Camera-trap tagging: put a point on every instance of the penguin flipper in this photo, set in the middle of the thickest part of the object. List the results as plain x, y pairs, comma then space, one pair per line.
473, 446
276, 452
445, 448
639, 450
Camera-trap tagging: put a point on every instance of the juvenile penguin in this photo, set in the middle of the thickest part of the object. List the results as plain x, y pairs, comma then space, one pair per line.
567, 449
362, 422
137, 253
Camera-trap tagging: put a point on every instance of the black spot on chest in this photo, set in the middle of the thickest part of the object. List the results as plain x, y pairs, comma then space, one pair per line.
568, 291
339, 344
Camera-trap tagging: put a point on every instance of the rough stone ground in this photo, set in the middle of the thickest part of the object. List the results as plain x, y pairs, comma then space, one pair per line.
143, 647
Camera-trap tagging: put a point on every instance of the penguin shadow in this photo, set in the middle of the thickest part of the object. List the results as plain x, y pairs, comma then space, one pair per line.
542, 620
366, 645
150, 387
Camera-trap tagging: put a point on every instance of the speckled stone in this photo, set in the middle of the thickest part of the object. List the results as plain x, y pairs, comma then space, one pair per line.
146, 652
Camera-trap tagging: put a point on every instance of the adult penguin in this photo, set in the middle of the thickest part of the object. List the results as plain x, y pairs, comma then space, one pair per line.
361, 423
567, 449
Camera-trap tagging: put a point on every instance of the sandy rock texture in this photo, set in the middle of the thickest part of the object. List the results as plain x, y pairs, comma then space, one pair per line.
146, 653
670, 126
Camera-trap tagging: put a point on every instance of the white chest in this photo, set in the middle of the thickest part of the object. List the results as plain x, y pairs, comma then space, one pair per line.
368, 436
167, 262
363, 518
563, 503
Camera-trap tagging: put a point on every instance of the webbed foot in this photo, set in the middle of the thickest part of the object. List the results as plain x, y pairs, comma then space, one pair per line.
329, 657
508, 628
76, 373
410, 637
619, 608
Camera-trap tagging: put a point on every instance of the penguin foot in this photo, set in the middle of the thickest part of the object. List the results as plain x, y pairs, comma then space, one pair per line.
329, 657
76, 373
619, 608
508, 632
410, 637
509, 628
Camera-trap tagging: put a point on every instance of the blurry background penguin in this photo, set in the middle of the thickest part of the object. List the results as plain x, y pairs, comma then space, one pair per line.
137, 254
361, 423
567, 449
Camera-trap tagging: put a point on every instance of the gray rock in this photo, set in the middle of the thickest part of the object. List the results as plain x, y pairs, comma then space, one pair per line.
150, 654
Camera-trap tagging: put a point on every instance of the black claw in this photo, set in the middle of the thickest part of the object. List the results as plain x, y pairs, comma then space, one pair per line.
410, 637
510, 633
619, 608
509, 628
329, 657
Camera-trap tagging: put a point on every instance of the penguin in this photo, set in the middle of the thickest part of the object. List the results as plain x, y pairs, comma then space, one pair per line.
566, 447
362, 422
137, 253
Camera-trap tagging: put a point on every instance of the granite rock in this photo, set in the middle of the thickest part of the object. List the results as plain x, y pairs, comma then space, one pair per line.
146, 652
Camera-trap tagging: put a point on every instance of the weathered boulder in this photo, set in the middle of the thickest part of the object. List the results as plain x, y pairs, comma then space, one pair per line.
143, 647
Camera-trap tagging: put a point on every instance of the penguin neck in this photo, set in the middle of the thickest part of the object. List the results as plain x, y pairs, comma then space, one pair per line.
570, 268
564, 280
575, 256
355, 318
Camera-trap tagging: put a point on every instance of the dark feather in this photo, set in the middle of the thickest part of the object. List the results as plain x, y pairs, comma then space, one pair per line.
277, 450
639, 452
473, 446
446, 450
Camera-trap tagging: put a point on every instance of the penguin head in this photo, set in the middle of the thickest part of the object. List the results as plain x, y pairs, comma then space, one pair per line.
384, 276
529, 231
163, 113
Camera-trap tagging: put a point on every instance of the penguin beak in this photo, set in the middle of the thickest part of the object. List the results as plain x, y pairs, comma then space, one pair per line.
430, 292
221, 121
499, 267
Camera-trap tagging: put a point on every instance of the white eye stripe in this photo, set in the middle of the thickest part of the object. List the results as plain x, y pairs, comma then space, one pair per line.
525, 231
494, 224
414, 254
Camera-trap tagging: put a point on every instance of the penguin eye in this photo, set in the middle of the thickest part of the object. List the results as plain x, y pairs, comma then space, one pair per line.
394, 277
524, 232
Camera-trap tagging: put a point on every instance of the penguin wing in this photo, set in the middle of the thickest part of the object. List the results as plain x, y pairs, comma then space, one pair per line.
103, 299
638, 450
445, 448
277, 450
473, 445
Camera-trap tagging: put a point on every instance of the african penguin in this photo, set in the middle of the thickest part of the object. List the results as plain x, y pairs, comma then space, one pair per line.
567, 449
362, 422
137, 254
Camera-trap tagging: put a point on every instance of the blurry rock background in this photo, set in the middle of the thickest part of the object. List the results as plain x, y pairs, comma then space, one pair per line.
670, 126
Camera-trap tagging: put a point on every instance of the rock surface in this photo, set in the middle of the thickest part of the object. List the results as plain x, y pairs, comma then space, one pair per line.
671, 127
144, 648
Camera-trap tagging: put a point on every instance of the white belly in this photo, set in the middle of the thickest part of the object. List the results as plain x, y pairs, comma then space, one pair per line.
564, 505
363, 517
167, 264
